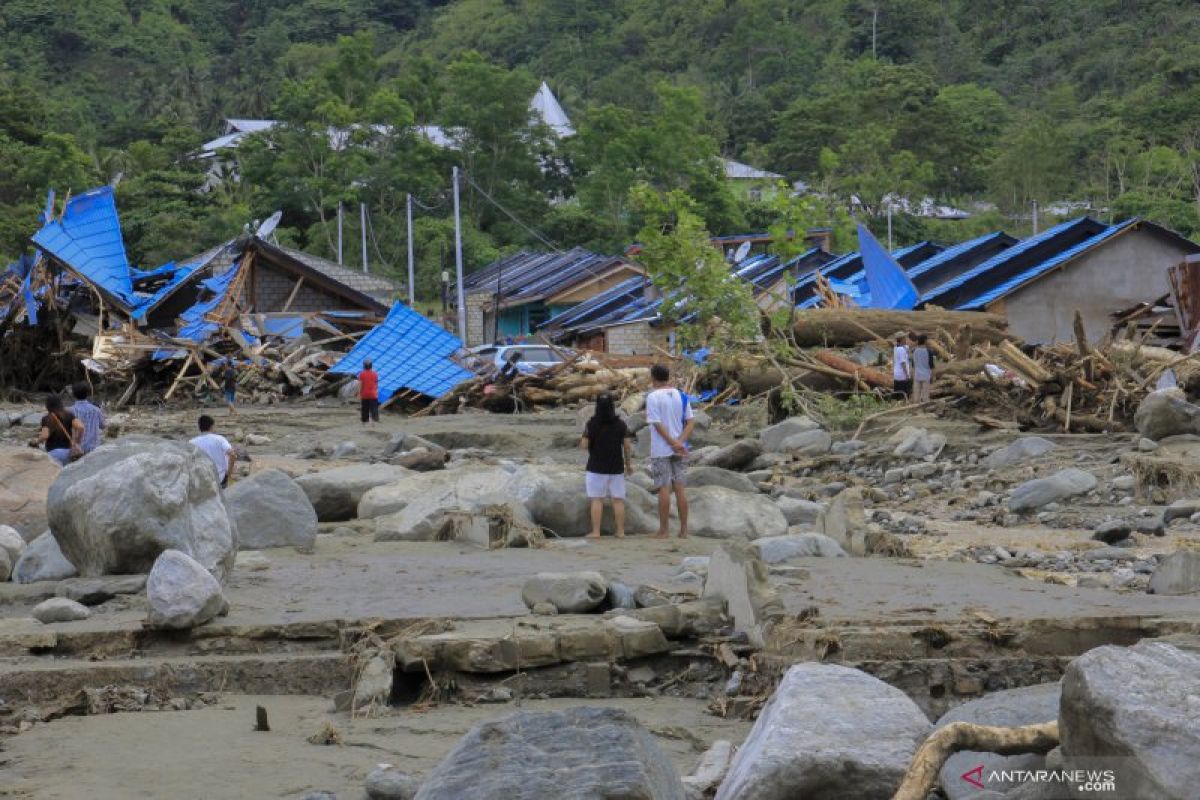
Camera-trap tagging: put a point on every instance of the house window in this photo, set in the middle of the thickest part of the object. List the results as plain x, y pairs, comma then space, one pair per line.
756, 194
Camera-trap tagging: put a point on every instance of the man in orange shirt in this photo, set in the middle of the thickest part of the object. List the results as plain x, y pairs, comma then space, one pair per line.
368, 392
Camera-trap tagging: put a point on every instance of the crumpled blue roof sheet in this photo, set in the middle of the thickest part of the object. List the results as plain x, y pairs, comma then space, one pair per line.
194, 327
889, 287
88, 240
1000, 290
409, 352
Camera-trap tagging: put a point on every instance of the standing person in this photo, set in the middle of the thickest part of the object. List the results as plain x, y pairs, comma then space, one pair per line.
368, 392
901, 368
610, 458
229, 380
60, 432
922, 370
217, 448
671, 421
89, 415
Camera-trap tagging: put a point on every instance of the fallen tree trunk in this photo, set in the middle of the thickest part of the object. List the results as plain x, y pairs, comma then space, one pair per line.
922, 774
829, 327
872, 377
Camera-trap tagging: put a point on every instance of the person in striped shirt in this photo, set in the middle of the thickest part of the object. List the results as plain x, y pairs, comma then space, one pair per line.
90, 415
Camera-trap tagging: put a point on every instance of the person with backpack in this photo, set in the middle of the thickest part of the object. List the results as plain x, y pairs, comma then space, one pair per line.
922, 370
606, 438
670, 417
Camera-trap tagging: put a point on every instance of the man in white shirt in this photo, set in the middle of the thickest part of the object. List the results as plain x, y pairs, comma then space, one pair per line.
670, 418
217, 448
902, 382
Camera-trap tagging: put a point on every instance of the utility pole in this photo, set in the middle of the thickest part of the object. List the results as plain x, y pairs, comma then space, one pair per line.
339, 233
412, 281
1035, 219
874, 32
362, 219
458, 264
889, 217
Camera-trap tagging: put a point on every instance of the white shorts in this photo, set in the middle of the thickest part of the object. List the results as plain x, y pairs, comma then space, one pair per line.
601, 486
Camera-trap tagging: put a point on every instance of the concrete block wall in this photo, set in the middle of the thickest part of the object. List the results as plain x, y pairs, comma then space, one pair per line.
475, 318
637, 338
272, 288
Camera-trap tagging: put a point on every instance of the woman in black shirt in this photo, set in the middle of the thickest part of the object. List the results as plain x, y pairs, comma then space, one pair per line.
610, 458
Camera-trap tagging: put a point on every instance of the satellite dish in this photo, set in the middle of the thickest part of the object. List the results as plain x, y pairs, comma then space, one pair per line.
742, 251
268, 227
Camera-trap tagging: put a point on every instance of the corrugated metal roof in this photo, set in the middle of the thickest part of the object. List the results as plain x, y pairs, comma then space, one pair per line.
527, 276
957, 251
378, 286
88, 240
409, 352
884, 277
193, 325
585, 314
736, 170
1002, 289
1046, 238
546, 106
849, 268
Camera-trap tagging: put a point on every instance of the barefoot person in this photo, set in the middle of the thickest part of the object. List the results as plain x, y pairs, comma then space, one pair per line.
216, 447
670, 418
610, 458
60, 432
922, 369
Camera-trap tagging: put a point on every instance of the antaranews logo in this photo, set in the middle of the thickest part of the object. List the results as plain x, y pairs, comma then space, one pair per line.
1096, 782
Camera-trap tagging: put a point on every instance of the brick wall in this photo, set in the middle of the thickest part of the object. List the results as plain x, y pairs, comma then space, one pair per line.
272, 288
637, 338
476, 329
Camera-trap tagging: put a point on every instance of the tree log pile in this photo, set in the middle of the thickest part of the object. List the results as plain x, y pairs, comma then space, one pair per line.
580, 379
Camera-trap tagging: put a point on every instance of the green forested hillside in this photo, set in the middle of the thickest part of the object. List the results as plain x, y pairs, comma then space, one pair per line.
1004, 101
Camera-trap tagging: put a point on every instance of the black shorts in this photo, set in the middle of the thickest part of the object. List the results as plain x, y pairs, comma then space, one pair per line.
902, 387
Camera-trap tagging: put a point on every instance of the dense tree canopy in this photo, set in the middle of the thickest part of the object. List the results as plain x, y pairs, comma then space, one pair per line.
990, 105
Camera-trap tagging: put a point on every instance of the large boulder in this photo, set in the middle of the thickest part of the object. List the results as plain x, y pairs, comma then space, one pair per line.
798, 511
25, 477
569, 592
1166, 413
115, 511
772, 438
558, 502
11, 542
734, 456
270, 510
335, 493
829, 732
739, 577
916, 443
1178, 573
1034, 494
782, 549
1018, 452
578, 754
808, 443
845, 521
42, 560
422, 506
719, 513
715, 476
1029, 705
182, 593
1138, 707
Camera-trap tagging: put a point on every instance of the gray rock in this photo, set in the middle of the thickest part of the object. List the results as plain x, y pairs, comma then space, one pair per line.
1123, 483
60, 609
1039, 492
1108, 554
1029, 705
769, 461
782, 549
1145, 445
373, 683
557, 501
403, 442
808, 443
828, 733
6, 565
182, 593
385, 782
739, 577
1136, 706
1181, 509
621, 596
1112, 531
845, 522
848, 448
94, 591
421, 459
25, 476
115, 511
578, 754
569, 592
709, 771
916, 443
335, 493
1151, 526
734, 456
719, 513
1178, 573
345, 450
799, 512
715, 476
271, 510
772, 438
1018, 452
11, 542
42, 560
544, 610
1166, 413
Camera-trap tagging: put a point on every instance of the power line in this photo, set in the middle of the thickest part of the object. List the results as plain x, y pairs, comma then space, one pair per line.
511, 215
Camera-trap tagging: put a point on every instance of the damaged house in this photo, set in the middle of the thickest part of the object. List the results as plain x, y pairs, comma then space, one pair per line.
284, 316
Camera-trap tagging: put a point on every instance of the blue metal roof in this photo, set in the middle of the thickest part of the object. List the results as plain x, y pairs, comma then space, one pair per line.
1002, 289
953, 252
1001, 258
840, 268
194, 326
87, 239
889, 286
585, 314
409, 352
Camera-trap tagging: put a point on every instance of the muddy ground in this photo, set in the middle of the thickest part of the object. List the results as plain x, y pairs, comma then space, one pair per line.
213, 751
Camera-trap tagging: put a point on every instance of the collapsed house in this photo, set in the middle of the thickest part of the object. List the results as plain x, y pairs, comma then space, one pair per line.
79, 308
